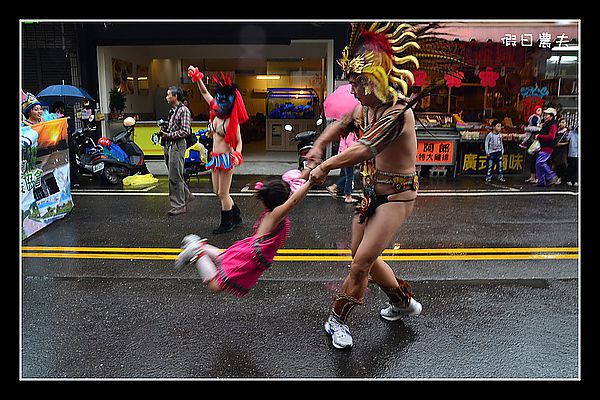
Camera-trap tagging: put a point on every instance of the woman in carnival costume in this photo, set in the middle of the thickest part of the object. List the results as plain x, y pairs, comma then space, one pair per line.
377, 62
227, 113
238, 268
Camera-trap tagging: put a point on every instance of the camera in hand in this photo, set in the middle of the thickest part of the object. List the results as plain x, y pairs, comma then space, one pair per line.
156, 137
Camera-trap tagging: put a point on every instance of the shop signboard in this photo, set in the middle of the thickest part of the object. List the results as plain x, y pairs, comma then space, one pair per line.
45, 179
473, 159
436, 152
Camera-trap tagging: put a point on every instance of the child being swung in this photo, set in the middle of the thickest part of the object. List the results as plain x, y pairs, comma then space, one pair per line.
238, 268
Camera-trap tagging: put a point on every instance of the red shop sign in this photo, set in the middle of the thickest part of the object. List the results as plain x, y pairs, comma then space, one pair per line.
435, 152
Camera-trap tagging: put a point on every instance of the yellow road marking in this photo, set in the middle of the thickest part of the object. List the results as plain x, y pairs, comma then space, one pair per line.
317, 251
323, 255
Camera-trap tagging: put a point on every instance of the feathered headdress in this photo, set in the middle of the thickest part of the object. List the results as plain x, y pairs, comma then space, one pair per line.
238, 115
384, 52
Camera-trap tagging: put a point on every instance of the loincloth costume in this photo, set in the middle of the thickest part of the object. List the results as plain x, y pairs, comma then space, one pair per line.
387, 129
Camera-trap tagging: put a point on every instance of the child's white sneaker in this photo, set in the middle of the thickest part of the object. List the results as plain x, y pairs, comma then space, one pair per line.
192, 250
189, 239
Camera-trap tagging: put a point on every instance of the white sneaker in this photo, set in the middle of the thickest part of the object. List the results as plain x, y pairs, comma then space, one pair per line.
189, 239
192, 245
394, 313
340, 334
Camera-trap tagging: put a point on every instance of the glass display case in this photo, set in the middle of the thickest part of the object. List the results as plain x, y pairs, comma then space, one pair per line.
298, 108
292, 103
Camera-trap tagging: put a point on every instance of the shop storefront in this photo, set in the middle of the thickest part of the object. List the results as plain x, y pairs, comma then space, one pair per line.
286, 84
502, 81
280, 84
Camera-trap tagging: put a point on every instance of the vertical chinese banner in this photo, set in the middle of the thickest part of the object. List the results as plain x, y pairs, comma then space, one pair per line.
45, 179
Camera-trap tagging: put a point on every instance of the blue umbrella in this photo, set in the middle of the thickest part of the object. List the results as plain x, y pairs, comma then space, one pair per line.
61, 92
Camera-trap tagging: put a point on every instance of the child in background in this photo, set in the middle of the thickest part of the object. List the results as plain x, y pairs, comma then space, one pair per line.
534, 123
494, 150
238, 268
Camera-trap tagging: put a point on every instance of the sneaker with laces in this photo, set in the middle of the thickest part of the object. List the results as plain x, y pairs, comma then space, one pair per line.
393, 312
192, 251
340, 334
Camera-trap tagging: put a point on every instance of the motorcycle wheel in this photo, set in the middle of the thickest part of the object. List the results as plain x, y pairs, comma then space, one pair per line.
111, 175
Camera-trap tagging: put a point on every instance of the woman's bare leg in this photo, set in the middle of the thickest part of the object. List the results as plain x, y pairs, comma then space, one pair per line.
224, 185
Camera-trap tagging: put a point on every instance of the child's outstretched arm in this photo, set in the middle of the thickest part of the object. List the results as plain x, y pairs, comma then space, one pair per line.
281, 211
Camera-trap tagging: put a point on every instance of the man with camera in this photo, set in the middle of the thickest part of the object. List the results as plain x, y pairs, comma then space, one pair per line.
174, 147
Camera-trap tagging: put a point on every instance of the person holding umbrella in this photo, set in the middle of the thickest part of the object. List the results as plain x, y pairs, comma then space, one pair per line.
60, 96
58, 107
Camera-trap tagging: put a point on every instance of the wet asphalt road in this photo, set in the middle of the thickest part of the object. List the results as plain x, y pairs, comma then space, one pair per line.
498, 277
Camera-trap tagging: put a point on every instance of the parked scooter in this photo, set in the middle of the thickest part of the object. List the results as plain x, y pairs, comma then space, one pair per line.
111, 160
198, 155
305, 141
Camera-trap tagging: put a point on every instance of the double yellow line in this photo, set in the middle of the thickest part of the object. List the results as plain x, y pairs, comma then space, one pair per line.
323, 255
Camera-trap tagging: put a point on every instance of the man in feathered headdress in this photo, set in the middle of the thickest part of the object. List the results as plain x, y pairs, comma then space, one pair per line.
376, 61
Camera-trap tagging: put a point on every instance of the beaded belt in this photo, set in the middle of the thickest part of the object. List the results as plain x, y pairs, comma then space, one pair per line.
400, 183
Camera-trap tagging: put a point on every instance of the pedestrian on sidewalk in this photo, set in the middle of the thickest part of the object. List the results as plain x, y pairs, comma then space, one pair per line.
238, 268
174, 150
572, 177
494, 150
346, 180
561, 148
545, 175
534, 124
227, 113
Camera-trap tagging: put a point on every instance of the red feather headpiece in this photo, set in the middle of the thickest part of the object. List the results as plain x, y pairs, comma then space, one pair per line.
238, 115
377, 42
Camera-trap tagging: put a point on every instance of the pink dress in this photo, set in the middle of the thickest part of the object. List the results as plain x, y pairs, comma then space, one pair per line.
245, 261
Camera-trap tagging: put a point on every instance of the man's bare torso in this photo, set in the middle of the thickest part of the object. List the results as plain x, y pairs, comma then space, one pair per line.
399, 156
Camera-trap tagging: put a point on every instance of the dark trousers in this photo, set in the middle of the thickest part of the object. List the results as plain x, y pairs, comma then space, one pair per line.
174, 158
572, 169
346, 180
495, 158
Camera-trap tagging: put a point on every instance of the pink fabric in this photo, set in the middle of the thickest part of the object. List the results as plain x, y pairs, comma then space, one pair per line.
340, 102
292, 177
347, 141
242, 264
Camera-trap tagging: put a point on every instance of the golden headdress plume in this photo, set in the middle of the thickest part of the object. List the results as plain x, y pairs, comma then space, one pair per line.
385, 53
